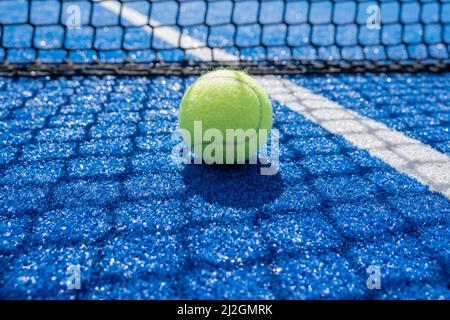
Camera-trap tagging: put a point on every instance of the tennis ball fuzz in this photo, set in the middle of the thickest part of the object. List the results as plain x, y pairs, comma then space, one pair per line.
225, 117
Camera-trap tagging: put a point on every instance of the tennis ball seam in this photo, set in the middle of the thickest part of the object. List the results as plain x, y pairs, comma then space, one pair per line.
247, 139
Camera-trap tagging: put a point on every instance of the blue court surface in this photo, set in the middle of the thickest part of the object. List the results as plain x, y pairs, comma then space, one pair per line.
87, 180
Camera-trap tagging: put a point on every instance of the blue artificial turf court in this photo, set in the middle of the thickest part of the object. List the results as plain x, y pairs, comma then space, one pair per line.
87, 178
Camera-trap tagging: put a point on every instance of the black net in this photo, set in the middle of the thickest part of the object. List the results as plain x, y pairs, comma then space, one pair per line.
173, 37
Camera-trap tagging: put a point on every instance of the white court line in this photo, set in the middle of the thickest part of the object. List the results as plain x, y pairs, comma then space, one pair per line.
405, 154
168, 34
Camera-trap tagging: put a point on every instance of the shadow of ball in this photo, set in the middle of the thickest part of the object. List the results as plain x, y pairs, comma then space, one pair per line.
238, 186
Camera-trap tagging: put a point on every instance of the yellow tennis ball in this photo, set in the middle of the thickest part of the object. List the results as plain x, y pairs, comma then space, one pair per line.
225, 117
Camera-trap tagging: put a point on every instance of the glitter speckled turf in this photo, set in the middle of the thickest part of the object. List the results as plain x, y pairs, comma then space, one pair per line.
86, 178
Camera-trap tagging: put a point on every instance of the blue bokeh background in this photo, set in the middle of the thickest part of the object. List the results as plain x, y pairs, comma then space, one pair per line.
257, 30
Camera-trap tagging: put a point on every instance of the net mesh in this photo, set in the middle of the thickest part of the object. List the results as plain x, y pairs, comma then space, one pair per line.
174, 37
